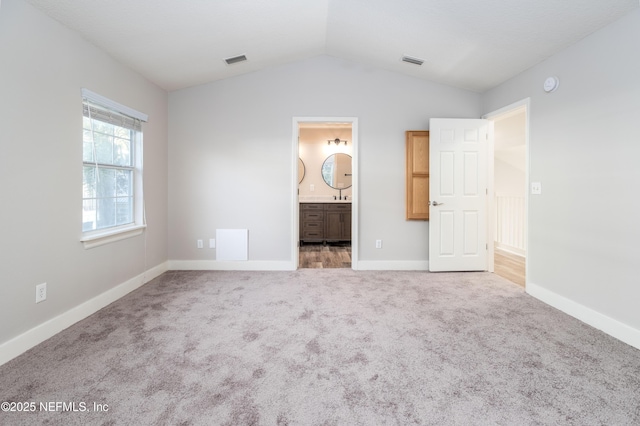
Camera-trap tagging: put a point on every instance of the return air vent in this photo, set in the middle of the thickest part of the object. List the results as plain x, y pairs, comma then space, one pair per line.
412, 60
235, 59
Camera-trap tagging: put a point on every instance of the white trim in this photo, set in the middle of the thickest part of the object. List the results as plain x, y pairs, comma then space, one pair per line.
491, 254
355, 191
295, 230
295, 200
266, 265
509, 249
393, 265
110, 236
612, 327
38, 334
106, 102
220, 265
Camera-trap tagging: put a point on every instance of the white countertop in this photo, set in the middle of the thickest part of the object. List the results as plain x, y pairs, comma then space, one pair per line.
321, 199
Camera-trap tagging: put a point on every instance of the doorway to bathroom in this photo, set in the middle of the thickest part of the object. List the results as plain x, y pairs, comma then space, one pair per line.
325, 202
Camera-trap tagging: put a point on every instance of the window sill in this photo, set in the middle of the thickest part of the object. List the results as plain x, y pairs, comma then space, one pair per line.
99, 238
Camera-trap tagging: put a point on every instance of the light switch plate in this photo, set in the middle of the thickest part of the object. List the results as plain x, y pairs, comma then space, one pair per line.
536, 188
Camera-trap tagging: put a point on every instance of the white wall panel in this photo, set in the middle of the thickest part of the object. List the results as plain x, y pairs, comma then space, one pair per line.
44, 66
231, 143
583, 148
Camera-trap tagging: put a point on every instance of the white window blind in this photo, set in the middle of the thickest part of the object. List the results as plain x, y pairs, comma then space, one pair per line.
107, 103
100, 113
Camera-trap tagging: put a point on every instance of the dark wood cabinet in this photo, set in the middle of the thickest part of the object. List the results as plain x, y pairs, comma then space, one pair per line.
311, 222
337, 219
325, 222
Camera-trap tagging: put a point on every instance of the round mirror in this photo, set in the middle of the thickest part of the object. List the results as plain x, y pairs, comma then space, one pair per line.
301, 170
336, 171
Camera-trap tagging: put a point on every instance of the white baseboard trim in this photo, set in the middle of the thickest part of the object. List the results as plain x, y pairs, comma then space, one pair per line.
612, 327
215, 265
266, 265
509, 249
393, 265
20, 344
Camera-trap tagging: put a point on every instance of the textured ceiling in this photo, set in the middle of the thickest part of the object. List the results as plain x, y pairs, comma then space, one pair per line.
469, 44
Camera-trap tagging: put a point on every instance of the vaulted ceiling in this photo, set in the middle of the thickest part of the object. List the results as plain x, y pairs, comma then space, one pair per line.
470, 44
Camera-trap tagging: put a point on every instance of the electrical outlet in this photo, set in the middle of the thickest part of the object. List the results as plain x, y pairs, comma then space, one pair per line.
378, 244
312, 187
41, 292
200, 244
212, 243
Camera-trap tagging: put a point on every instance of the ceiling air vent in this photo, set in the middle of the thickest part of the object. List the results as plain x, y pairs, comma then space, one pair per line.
235, 59
412, 60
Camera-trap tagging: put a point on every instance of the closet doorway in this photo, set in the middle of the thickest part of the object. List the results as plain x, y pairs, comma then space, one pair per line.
325, 207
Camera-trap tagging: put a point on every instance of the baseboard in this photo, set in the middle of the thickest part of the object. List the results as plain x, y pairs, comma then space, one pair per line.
215, 265
612, 327
510, 249
393, 265
265, 265
20, 344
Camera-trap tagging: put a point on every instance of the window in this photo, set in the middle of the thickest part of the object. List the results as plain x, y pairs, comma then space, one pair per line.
111, 170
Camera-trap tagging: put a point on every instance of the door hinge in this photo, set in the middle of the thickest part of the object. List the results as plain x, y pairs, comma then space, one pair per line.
486, 246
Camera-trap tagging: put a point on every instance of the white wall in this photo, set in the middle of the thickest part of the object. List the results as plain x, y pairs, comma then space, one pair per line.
230, 145
584, 149
509, 180
314, 150
509, 154
44, 66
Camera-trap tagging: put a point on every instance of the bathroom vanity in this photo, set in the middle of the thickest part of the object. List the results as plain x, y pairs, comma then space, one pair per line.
325, 215
325, 222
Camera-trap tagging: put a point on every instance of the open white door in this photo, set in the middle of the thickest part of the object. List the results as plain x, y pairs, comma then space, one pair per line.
458, 193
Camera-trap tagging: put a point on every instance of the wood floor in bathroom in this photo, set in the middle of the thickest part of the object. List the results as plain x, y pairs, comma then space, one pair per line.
329, 256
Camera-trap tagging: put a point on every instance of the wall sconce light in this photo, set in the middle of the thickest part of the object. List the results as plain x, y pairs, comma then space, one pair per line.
336, 141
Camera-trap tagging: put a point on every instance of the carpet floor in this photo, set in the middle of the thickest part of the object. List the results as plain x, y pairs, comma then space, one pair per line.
326, 347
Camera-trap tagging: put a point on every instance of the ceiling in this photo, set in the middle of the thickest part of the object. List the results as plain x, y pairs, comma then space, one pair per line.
470, 44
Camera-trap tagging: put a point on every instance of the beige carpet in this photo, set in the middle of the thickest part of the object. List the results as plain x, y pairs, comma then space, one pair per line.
327, 347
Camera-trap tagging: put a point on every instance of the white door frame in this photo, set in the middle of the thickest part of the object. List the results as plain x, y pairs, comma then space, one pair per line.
295, 231
526, 104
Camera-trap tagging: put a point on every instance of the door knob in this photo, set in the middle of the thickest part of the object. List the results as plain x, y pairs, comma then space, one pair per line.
435, 203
